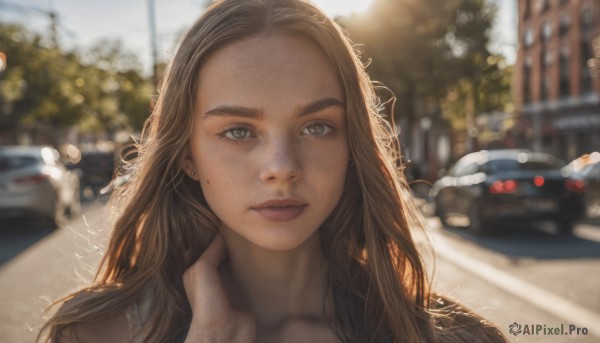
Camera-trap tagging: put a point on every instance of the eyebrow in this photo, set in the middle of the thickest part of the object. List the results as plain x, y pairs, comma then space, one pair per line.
320, 105
256, 113
234, 111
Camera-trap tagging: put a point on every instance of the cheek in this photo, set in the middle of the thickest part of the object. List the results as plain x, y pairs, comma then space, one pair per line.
215, 171
218, 170
330, 157
329, 166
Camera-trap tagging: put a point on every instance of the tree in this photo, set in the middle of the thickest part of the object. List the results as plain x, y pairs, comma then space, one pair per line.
121, 98
101, 90
35, 85
427, 51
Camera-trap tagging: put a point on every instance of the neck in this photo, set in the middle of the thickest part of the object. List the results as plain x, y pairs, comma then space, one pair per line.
276, 286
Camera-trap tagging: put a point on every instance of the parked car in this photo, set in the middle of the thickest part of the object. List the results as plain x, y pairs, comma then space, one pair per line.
499, 186
34, 183
97, 168
588, 179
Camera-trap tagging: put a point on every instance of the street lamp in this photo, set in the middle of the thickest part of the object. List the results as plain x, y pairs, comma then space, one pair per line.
425, 124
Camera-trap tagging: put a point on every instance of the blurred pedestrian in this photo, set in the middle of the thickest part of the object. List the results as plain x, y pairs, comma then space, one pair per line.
265, 204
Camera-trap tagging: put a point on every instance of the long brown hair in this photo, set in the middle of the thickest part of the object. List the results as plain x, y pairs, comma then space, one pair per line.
376, 274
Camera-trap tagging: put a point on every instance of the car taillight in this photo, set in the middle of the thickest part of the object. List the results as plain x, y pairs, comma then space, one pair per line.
575, 185
31, 179
539, 181
506, 186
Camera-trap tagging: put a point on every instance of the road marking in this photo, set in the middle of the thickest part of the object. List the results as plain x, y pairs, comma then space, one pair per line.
549, 302
588, 232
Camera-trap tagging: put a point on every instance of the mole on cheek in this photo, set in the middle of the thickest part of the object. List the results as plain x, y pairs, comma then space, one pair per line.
207, 182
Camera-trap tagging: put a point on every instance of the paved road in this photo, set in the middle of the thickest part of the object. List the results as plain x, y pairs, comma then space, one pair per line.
523, 277
46, 268
530, 277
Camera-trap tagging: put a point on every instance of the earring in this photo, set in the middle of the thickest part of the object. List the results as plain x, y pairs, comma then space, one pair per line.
193, 173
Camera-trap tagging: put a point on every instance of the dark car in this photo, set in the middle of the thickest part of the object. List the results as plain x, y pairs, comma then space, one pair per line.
97, 169
496, 186
588, 179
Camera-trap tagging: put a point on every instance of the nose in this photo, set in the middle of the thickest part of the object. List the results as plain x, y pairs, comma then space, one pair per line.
281, 162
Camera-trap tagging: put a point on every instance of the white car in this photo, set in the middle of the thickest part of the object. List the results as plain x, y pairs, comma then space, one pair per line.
34, 183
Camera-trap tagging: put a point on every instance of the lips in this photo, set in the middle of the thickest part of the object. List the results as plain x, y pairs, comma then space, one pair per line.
280, 209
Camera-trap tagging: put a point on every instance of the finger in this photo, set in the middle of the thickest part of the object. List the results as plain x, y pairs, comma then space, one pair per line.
215, 253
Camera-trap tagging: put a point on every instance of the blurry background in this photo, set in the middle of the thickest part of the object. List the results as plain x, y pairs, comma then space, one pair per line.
101, 59
517, 233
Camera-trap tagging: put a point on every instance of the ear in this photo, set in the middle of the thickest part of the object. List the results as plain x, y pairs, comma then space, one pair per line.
189, 167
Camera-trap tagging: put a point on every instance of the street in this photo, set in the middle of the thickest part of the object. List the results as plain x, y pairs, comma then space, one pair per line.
531, 278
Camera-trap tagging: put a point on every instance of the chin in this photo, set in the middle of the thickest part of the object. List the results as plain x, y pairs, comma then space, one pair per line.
281, 242
279, 237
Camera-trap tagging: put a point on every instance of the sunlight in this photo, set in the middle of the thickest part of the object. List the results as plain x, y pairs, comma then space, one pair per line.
336, 8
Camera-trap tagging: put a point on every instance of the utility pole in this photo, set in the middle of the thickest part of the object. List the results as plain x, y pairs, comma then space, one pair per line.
153, 42
53, 29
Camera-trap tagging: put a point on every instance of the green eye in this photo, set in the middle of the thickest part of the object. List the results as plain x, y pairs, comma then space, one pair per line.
317, 129
237, 133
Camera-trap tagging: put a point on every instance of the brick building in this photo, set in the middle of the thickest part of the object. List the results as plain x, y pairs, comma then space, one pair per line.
557, 76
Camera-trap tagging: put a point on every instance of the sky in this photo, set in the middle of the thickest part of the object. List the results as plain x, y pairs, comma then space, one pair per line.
83, 22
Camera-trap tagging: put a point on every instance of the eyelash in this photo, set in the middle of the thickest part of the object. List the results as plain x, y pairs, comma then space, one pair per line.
328, 128
223, 134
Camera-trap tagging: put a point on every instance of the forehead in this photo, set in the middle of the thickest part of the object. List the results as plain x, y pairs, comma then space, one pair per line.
267, 69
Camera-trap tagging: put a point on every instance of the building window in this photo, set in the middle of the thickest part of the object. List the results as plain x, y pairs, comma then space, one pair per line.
527, 82
586, 17
565, 23
564, 86
548, 59
544, 60
528, 38
586, 74
587, 53
544, 5
546, 88
546, 31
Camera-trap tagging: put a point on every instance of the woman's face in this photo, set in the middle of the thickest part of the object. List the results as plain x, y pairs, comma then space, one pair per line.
269, 144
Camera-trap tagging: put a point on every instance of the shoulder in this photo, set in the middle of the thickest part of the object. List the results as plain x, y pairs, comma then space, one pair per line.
110, 329
457, 323
89, 320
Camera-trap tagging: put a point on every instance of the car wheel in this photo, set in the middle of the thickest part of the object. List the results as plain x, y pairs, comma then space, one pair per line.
565, 227
441, 213
476, 223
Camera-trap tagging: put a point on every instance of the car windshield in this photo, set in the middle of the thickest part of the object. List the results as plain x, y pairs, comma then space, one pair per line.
585, 171
13, 162
498, 166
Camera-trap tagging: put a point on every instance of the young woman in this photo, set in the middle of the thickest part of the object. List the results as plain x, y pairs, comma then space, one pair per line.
265, 205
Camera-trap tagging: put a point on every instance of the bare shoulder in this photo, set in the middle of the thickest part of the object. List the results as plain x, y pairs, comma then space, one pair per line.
457, 323
114, 327
111, 329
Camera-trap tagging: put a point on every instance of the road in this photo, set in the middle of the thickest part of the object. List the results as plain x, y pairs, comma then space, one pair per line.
527, 278
524, 277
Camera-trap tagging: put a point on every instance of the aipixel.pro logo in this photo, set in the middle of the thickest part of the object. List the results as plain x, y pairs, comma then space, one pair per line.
546, 330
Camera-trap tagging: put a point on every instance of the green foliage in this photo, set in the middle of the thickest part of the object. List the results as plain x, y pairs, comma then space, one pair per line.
100, 90
430, 51
488, 92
